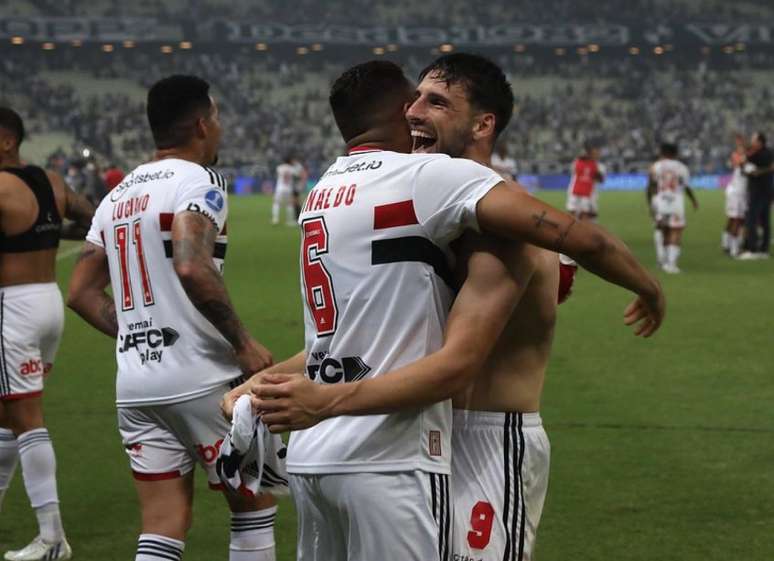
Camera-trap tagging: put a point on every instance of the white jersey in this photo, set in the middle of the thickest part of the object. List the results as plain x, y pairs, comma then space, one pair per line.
506, 167
286, 177
166, 350
671, 176
737, 186
377, 287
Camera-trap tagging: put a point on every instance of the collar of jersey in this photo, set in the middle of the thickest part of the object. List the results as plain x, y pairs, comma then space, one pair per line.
362, 150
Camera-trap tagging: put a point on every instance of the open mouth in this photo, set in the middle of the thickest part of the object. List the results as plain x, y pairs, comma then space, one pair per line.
422, 141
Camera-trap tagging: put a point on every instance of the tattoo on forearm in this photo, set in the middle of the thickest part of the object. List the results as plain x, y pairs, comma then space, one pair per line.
541, 219
563, 236
86, 253
107, 312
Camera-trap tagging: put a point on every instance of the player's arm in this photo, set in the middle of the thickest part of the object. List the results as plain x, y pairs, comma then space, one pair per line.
509, 212
692, 196
193, 243
650, 191
86, 295
479, 314
78, 209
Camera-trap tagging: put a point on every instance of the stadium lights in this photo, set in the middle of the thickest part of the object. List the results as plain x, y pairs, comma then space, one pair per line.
446, 48
185, 45
76, 43
728, 49
261, 47
317, 47
107, 48
48, 46
378, 51
583, 51
634, 50
594, 48
392, 47
659, 50
129, 44
302, 51
166, 49
17, 40
560, 51
520, 48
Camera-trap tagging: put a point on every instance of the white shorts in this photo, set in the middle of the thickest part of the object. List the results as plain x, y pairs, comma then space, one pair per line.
370, 516
578, 204
31, 324
167, 441
669, 210
500, 464
736, 204
283, 196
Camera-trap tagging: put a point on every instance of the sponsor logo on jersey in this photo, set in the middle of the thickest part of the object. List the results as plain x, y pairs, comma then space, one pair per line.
209, 453
137, 178
463, 557
195, 207
360, 166
149, 343
332, 370
33, 367
214, 199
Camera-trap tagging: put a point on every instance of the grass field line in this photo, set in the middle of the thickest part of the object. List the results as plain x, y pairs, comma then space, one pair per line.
69, 252
686, 428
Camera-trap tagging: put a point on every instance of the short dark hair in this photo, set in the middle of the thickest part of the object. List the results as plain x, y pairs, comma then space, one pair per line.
174, 103
358, 94
12, 122
486, 85
761, 137
669, 149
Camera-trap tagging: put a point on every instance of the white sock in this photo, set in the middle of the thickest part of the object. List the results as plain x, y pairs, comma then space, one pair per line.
734, 245
39, 471
658, 240
152, 547
725, 240
252, 535
9, 458
673, 254
290, 214
275, 210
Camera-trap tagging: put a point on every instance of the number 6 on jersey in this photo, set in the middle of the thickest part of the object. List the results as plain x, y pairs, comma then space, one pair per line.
318, 284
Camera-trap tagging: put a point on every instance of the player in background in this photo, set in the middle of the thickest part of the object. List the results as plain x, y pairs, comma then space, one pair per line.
502, 163
159, 239
399, 213
287, 175
33, 203
736, 199
299, 184
668, 180
582, 194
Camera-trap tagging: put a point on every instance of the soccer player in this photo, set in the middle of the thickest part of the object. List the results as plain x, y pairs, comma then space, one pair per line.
159, 239
668, 181
299, 185
287, 173
736, 199
587, 172
377, 288
502, 163
32, 205
760, 189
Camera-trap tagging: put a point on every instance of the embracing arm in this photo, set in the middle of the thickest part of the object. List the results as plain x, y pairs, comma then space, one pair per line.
193, 242
78, 209
86, 295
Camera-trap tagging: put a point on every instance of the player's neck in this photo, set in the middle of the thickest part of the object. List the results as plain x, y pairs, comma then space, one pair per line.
11, 160
479, 154
188, 153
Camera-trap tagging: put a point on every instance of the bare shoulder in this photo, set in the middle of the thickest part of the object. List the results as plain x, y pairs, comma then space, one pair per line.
9, 183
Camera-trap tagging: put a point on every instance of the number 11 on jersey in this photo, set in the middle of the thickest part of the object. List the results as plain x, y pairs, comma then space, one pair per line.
121, 235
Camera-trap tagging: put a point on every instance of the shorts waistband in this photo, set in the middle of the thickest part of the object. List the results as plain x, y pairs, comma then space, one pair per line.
26, 289
470, 419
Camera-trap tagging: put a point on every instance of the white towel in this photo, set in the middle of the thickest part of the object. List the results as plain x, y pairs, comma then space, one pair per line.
251, 459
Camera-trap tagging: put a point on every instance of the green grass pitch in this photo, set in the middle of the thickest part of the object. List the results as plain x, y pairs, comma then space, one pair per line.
662, 448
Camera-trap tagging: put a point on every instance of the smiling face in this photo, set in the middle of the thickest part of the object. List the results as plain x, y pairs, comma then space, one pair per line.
441, 118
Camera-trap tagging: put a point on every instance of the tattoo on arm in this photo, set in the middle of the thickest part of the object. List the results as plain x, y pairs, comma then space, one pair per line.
87, 252
541, 220
563, 236
107, 313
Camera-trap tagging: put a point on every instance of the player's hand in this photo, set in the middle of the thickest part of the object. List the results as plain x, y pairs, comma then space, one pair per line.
290, 401
230, 397
646, 313
253, 357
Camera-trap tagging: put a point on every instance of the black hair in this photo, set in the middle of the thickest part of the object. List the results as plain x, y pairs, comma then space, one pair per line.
669, 149
174, 104
486, 85
761, 137
358, 95
12, 121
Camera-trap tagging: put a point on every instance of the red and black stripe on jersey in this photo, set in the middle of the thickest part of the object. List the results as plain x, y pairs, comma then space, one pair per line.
165, 225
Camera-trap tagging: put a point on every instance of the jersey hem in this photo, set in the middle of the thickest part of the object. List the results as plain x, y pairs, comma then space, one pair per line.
123, 403
367, 467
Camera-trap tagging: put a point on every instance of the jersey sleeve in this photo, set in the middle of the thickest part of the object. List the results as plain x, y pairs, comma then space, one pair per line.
94, 234
204, 193
446, 192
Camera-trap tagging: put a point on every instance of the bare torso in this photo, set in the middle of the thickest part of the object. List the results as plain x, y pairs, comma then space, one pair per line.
18, 212
512, 379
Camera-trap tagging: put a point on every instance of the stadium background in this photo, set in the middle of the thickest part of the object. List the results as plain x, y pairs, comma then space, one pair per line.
661, 448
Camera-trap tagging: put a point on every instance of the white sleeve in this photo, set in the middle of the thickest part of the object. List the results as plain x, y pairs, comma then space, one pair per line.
203, 193
95, 232
602, 169
446, 192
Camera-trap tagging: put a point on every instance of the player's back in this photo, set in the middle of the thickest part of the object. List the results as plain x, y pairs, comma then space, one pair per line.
584, 176
166, 350
377, 288
670, 176
286, 174
512, 378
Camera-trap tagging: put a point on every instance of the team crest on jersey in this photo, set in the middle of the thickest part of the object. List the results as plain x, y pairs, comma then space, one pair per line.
214, 199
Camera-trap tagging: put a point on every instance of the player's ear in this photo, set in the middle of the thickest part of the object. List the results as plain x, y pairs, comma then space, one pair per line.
484, 125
